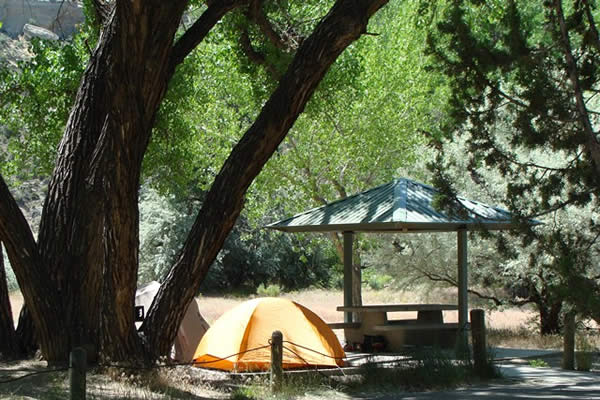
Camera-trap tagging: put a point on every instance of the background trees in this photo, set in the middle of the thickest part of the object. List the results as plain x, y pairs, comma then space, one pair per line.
524, 79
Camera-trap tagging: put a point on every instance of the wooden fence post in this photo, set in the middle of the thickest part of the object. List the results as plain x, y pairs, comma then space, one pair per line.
276, 360
480, 359
77, 371
568, 360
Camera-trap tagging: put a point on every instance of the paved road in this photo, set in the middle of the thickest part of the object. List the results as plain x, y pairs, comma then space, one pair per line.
521, 382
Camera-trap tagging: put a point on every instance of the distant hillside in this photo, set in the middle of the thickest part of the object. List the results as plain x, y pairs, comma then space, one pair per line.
58, 16
13, 50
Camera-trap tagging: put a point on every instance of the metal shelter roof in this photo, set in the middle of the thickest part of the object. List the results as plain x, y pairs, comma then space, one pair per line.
400, 205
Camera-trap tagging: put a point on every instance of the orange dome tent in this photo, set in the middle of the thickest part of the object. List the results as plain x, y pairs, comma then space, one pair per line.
250, 325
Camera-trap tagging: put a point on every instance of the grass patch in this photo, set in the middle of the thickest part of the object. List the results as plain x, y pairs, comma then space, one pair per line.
523, 338
427, 370
293, 386
538, 363
272, 290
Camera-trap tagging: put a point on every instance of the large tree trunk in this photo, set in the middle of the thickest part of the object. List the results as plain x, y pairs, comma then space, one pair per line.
346, 21
89, 229
9, 345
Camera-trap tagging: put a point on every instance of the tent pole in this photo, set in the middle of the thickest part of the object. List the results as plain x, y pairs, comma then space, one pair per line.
463, 301
348, 240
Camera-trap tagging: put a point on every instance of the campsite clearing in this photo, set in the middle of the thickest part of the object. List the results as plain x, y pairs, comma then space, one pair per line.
192, 383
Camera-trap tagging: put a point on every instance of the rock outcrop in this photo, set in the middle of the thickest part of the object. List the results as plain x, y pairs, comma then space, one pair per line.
60, 17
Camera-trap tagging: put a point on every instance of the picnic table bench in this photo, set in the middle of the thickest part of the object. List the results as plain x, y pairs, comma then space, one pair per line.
428, 328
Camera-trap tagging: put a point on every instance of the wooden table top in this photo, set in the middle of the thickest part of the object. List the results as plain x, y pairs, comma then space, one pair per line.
398, 307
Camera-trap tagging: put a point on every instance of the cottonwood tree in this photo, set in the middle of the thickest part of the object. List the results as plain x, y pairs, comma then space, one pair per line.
349, 141
525, 77
79, 277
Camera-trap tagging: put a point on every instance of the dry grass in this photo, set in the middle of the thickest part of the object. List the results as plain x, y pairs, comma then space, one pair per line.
172, 383
324, 302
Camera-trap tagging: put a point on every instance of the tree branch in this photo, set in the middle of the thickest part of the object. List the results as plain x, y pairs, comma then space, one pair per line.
346, 21
255, 56
256, 14
34, 280
591, 143
198, 31
592, 25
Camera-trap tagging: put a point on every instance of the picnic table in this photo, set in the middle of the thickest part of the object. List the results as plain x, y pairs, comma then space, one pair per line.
428, 329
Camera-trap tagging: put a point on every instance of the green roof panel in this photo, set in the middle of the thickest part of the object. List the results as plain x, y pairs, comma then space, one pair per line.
400, 205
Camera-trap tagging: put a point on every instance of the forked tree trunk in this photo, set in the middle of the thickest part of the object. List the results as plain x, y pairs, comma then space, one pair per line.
9, 346
89, 230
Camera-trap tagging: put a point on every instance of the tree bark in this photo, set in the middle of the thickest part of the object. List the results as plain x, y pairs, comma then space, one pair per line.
345, 22
28, 342
8, 339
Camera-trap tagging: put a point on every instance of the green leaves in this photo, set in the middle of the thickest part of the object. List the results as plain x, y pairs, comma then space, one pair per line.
36, 101
366, 119
524, 78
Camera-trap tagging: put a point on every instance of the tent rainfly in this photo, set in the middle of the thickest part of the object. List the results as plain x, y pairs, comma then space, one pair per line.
402, 205
239, 339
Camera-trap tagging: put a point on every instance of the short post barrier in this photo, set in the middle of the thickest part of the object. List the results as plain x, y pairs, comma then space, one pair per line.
480, 360
276, 360
77, 371
568, 359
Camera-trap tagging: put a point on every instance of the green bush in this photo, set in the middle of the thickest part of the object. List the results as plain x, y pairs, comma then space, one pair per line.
272, 290
250, 256
538, 363
377, 281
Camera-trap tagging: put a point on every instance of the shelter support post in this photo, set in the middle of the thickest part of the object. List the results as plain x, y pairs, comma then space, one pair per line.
348, 241
463, 302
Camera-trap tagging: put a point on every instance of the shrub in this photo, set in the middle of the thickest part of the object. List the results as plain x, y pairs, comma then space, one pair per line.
538, 363
272, 290
377, 281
